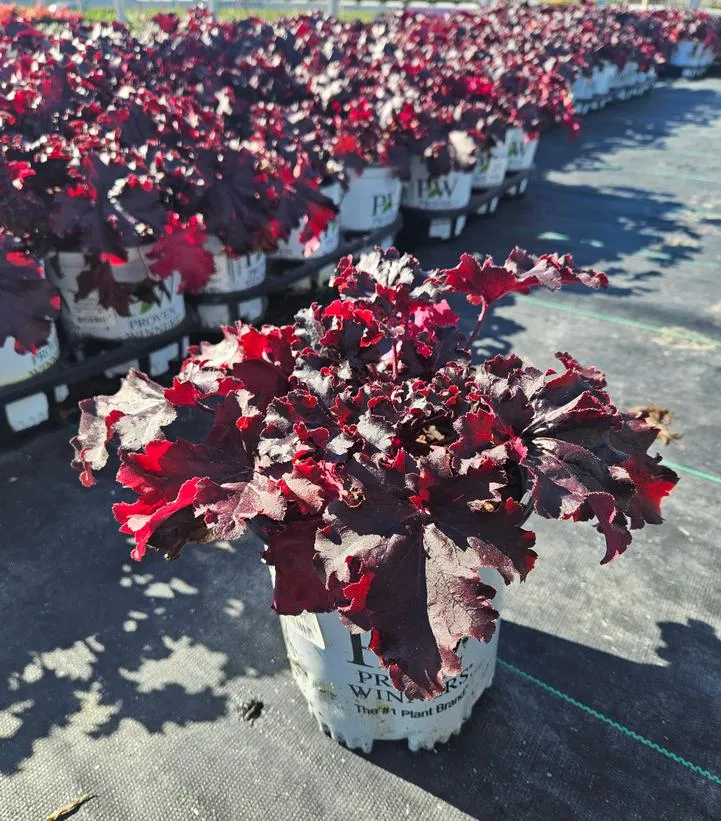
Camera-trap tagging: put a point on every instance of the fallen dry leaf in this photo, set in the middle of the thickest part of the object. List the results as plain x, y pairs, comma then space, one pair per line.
69, 809
660, 418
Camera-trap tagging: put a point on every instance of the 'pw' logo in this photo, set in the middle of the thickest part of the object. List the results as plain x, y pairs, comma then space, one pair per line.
382, 204
433, 189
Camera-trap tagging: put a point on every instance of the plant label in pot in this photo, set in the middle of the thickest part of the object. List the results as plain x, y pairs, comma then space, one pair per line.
372, 200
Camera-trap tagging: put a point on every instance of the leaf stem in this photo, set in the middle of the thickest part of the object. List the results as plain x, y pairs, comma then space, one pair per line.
481, 317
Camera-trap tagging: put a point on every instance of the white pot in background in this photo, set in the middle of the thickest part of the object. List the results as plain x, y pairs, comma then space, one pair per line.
17, 367
86, 317
521, 152
631, 74
293, 248
351, 695
233, 274
490, 170
648, 78
444, 193
684, 54
602, 78
706, 56
582, 88
371, 201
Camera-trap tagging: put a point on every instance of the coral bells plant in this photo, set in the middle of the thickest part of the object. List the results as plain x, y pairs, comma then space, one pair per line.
28, 302
379, 464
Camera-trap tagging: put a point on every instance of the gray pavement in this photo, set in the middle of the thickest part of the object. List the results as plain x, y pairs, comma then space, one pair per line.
127, 681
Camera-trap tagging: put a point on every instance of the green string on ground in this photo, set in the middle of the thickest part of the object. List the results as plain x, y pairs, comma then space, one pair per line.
681, 333
700, 474
715, 779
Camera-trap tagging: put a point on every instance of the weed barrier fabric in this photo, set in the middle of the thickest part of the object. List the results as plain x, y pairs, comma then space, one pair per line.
133, 682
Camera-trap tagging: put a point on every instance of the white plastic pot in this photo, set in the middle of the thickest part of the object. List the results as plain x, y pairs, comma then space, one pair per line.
17, 367
648, 79
602, 78
86, 317
582, 88
444, 193
371, 201
684, 54
706, 57
233, 274
626, 80
490, 170
521, 151
328, 241
352, 698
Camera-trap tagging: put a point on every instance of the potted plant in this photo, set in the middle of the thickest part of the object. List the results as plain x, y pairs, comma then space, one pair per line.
29, 304
388, 475
299, 136
375, 166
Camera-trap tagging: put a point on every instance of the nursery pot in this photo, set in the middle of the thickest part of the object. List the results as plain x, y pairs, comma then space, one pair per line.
582, 89
706, 56
490, 170
17, 367
328, 241
521, 151
602, 79
684, 54
87, 318
371, 201
233, 274
444, 193
293, 249
352, 698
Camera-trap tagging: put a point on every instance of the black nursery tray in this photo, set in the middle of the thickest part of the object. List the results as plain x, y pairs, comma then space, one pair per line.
421, 226
70, 368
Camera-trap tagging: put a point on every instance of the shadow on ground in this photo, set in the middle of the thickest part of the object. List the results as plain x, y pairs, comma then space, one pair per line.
90, 638
674, 703
628, 230
645, 122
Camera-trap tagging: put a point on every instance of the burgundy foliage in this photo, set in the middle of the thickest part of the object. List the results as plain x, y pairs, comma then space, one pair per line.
382, 468
28, 302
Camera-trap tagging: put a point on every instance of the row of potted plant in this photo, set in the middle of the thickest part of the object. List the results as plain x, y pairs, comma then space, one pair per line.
138, 167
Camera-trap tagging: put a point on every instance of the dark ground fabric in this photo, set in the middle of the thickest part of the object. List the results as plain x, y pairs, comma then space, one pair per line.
128, 681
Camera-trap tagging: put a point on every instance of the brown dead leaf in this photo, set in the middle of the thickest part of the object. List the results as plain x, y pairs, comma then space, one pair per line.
660, 418
430, 435
69, 809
